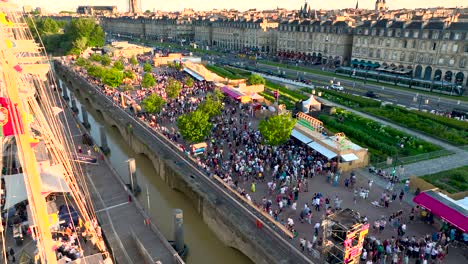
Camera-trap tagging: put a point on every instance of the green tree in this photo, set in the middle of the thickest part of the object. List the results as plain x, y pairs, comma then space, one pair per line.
147, 67
148, 81
255, 79
118, 65
106, 60
81, 62
129, 74
153, 104
84, 29
95, 57
133, 60
173, 88
188, 82
211, 105
95, 71
112, 77
277, 129
194, 126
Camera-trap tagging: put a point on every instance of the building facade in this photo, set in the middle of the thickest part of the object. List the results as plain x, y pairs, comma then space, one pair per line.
242, 35
433, 51
321, 42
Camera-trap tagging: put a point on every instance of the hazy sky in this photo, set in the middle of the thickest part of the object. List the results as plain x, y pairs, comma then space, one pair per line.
169, 5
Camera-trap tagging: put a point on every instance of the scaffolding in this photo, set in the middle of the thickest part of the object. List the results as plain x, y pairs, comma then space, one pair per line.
343, 237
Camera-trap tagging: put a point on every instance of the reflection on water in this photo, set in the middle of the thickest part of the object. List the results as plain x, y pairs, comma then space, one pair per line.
204, 246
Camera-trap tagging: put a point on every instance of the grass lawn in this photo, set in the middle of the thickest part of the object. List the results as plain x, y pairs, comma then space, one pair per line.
382, 141
453, 181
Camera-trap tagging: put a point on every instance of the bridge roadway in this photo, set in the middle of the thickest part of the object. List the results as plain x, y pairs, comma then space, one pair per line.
118, 217
277, 246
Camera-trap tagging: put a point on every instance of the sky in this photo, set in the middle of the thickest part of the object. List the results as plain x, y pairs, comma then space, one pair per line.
172, 5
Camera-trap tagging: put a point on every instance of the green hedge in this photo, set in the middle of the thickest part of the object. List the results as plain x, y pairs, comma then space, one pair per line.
223, 72
452, 181
422, 123
382, 141
450, 122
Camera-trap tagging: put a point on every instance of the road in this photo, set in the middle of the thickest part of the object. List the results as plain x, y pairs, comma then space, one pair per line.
396, 96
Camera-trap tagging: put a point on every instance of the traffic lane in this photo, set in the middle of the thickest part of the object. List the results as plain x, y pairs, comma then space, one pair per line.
401, 97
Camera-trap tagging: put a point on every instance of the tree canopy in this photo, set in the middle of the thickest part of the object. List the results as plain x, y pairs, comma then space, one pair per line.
255, 79
133, 60
212, 105
147, 67
153, 104
118, 65
95, 57
70, 38
129, 74
148, 81
194, 126
112, 77
81, 62
105, 60
188, 81
95, 71
277, 129
173, 88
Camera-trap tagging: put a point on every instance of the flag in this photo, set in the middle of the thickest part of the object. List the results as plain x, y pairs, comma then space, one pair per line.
14, 118
56, 110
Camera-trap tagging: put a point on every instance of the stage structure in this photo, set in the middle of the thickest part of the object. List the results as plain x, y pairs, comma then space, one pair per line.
343, 237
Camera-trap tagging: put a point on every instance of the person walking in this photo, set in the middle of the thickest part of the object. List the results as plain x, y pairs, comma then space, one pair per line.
12, 254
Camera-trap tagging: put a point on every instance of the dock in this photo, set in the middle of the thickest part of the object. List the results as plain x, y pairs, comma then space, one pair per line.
130, 237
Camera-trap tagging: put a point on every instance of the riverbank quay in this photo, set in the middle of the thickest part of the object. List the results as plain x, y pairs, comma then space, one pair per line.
127, 228
232, 221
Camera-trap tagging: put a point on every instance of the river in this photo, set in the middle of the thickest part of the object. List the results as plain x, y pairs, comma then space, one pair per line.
204, 246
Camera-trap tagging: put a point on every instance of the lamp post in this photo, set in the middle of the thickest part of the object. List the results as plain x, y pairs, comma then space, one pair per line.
420, 99
395, 163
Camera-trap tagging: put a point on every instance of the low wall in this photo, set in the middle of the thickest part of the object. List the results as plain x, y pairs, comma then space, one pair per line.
232, 225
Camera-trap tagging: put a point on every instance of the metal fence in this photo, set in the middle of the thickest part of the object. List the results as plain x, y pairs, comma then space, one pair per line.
415, 158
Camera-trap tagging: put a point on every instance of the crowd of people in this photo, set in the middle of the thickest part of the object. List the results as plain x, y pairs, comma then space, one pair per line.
277, 179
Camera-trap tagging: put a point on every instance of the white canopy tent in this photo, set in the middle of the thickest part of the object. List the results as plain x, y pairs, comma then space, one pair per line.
349, 157
311, 104
52, 181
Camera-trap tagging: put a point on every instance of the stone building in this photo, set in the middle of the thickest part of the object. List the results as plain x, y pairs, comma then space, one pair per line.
203, 33
432, 51
325, 42
244, 35
165, 29
96, 10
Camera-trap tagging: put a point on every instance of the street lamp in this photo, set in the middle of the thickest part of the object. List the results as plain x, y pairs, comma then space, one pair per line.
420, 99
395, 163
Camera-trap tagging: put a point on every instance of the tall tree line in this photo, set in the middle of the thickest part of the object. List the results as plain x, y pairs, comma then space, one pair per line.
60, 37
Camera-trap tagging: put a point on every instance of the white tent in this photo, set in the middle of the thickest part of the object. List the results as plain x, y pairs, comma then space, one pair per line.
52, 181
256, 96
311, 104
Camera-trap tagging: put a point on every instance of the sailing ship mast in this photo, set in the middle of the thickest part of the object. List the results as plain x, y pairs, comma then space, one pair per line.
23, 73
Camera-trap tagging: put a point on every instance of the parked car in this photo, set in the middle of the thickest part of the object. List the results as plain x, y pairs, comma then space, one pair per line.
337, 87
371, 94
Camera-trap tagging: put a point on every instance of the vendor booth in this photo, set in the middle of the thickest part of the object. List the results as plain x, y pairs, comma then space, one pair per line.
311, 104
235, 94
444, 207
308, 130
